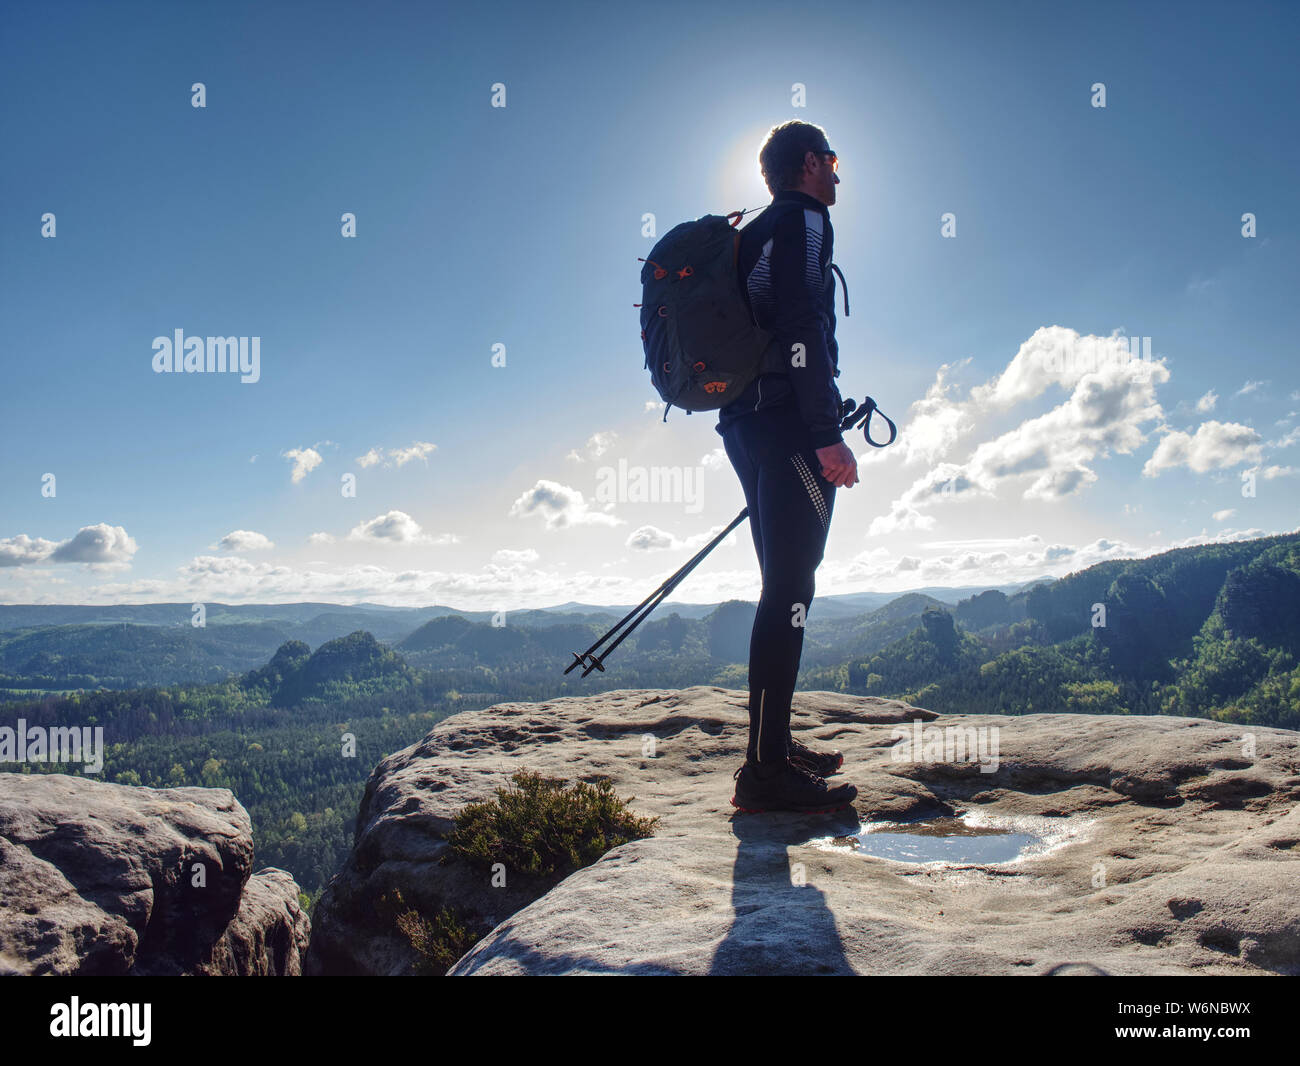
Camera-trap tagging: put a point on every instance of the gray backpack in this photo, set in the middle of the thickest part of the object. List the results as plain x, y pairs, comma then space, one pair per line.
702, 346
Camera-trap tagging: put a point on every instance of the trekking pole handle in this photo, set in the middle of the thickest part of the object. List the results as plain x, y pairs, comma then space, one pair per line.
851, 415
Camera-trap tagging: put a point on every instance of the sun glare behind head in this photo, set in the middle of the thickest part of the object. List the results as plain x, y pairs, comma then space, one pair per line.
740, 182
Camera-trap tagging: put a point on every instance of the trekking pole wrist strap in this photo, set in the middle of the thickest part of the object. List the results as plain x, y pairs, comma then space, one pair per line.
852, 415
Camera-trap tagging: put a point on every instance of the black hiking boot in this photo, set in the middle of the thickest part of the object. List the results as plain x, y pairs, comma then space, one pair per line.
821, 763
787, 787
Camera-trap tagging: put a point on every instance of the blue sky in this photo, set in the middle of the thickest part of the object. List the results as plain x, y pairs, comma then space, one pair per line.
479, 485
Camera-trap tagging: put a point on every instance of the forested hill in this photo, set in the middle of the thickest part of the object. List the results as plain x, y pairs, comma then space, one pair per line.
1205, 631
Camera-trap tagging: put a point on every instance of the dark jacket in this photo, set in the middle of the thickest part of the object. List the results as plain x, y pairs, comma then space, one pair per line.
784, 268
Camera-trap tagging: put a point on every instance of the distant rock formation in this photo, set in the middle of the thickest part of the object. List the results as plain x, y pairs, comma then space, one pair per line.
104, 879
1179, 847
296, 674
1262, 601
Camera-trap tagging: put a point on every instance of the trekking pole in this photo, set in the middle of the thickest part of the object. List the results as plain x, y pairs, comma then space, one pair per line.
579, 659
850, 416
597, 661
658, 596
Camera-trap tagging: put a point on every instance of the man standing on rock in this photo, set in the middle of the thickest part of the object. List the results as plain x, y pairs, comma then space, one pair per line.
782, 435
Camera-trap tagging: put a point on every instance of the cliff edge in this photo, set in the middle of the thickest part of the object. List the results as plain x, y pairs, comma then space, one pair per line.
1150, 845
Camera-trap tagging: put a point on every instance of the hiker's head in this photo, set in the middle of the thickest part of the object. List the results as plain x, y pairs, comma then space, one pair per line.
796, 155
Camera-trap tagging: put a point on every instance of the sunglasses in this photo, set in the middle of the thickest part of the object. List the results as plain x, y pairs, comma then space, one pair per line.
834, 159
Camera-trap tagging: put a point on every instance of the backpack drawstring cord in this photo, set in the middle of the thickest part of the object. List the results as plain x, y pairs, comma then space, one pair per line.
845, 286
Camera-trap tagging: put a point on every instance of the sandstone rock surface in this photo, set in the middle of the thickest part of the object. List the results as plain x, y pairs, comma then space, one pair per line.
1171, 847
99, 879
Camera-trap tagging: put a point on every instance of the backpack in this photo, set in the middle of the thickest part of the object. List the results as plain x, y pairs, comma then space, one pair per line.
702, 346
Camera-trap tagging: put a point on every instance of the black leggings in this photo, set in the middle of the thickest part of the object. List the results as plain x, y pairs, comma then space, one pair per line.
790, 505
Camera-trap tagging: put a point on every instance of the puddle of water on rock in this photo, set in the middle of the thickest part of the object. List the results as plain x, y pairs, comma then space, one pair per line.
975, 838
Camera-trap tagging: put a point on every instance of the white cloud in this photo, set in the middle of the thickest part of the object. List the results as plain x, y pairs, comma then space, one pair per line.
934, 422
1224, 515
244, 540
321, 538
1104, 412
1014, 565
396, 527
978, 561
716, 460
1206, 403
870, 456
900, 519
597, 445
947, 481
23, 550
1222, 537
239, 579
420, 449
651, 538
1028, 542
513, 557
1249, 387
1214, 446
560, 506
304, 460
1055, 356
99, 546
1111, 395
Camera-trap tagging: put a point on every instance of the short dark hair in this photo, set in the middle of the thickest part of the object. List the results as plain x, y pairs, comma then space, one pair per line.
781, 157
